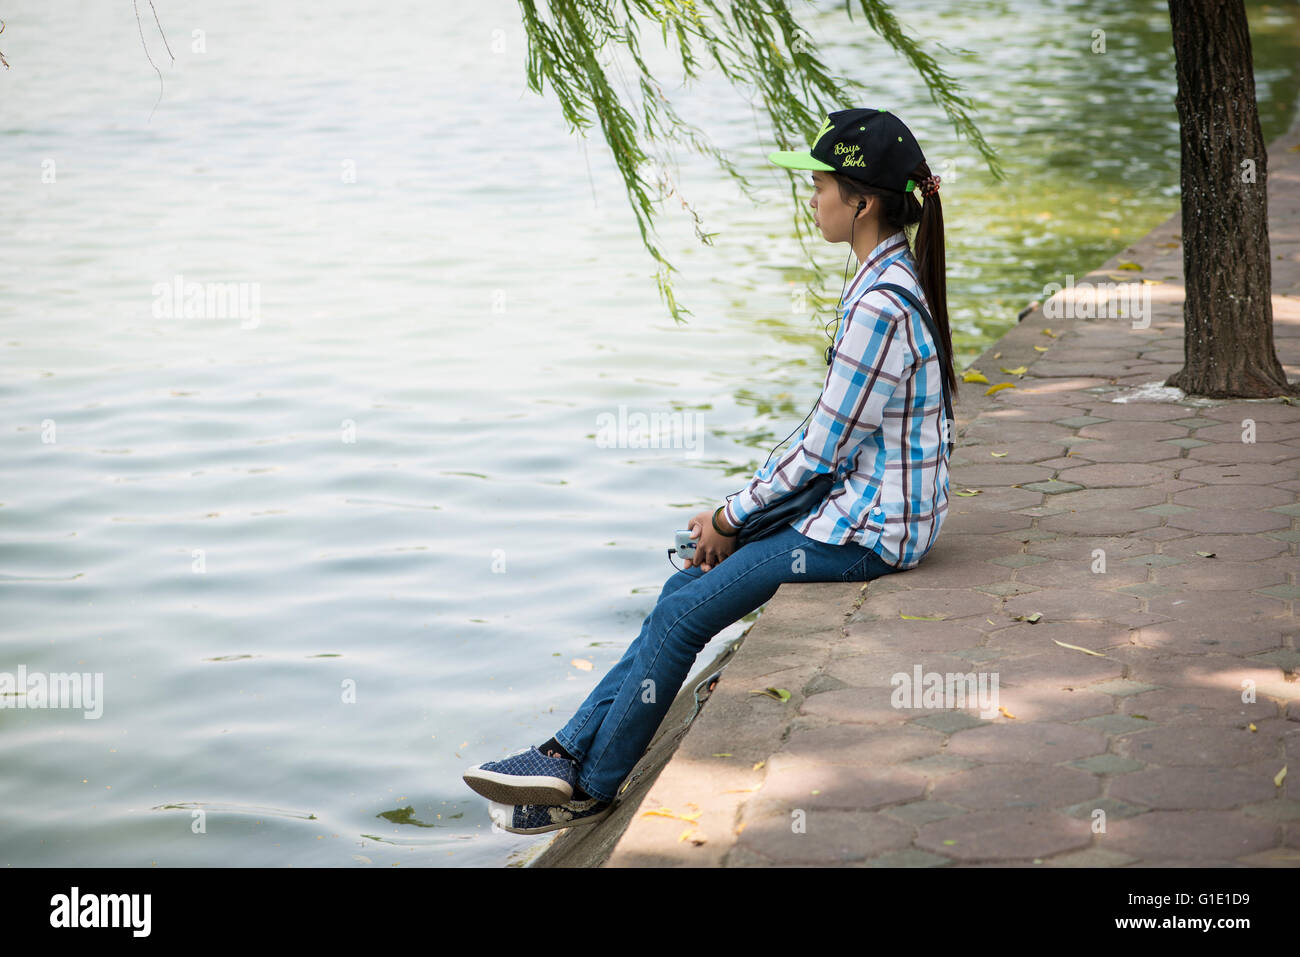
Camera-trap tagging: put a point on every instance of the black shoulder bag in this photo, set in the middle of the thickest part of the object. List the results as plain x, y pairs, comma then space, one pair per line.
774, 516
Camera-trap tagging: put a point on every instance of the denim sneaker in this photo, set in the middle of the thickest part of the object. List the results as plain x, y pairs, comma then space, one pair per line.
525, 777
539, 818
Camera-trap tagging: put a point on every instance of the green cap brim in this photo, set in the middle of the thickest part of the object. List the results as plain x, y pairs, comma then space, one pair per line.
798, 160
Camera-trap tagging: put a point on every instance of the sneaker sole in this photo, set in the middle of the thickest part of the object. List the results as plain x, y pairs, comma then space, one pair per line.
517, 788
593, 819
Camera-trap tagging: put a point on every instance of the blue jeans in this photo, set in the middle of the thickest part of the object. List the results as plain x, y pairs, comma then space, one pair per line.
610, 731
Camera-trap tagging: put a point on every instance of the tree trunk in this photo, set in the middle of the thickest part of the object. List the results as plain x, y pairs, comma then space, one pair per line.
1228, 309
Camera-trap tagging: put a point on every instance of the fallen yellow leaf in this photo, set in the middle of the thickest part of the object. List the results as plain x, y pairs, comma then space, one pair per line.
1130, 266
968, 492
722, 754
921, 617
999, 387
1005, 712
1018, 370
1252, 727
757, 765
1086, 651
1279, 777
1049, 332
998, 455
1040, 348
973, 375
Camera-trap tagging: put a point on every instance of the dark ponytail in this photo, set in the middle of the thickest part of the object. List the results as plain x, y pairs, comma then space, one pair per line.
901, 210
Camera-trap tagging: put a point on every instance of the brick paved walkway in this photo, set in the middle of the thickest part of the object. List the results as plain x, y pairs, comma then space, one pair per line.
1147, 532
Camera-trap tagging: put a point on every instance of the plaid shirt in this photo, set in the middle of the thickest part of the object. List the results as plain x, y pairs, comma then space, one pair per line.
878, 426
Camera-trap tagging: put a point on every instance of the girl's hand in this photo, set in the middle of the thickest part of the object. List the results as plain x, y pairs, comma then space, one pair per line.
710, 547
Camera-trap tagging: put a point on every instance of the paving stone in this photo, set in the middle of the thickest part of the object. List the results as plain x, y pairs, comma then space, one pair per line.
1245, 474
1060, 604
1229, 548
1114, 475
1148, 432
1016, 785
1277, 809
939, 764
1236, 521
1287, 509
1218, 605
1213, 575
1200, 836
1005, 835
923, 812
798, 783
1107, 764
1287, 659
1116, 723
1204, 745
1052, 486
1166, 509
1185, 443
1078, 421
1195, 422
1122, 687
1018, 561
861, 706
949, 721
1039, 742
1006, 588
835, 745
830, 837
1114, 808
1191, 788
1289, 592
1091, 857
1153, 561
1099, 522
909, 857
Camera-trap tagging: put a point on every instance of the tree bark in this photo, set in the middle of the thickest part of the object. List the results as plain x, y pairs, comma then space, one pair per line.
1227, 268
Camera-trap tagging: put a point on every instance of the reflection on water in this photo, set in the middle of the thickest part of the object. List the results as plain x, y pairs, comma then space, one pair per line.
326, 557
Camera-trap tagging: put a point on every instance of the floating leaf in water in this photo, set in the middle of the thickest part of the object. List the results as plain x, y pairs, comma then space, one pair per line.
921, 617
973, 375
999, 387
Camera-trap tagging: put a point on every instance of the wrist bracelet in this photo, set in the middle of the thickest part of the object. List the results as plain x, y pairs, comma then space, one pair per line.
717, 529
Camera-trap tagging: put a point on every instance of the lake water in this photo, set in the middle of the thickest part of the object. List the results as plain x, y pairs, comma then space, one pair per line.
329, 552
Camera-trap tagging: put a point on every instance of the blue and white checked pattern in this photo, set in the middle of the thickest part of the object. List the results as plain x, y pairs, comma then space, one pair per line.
879, 426
529, 762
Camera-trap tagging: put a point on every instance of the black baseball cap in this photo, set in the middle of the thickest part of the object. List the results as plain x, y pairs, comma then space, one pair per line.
872, 146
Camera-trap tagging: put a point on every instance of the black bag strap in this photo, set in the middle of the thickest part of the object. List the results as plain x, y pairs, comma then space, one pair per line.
938, 345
